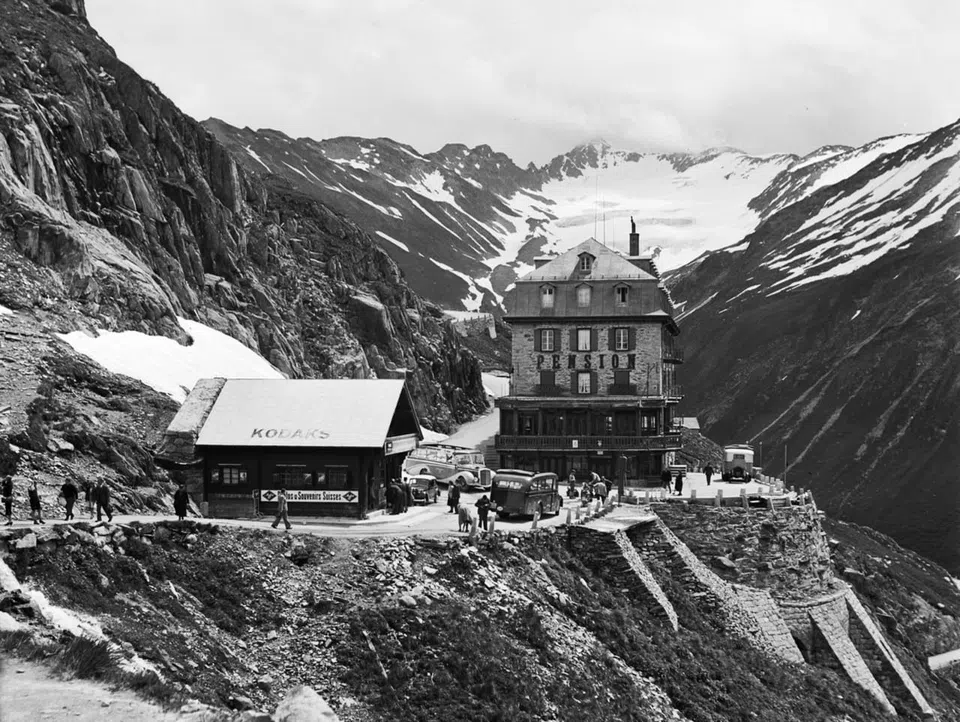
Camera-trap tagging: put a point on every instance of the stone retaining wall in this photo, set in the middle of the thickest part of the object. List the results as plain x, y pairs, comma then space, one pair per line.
610, 554
784, 550
750, 613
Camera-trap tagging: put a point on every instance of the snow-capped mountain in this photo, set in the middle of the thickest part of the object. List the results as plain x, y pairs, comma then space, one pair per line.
831, 334
463, 223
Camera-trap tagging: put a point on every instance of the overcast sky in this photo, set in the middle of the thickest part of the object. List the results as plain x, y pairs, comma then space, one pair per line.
533, 78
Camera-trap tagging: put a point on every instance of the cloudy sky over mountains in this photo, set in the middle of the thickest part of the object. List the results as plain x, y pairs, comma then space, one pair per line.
534, 78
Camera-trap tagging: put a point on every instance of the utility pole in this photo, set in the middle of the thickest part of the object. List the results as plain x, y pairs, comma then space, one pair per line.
784, 463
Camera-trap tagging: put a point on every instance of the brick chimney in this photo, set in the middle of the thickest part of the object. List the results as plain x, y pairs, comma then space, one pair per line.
634, 239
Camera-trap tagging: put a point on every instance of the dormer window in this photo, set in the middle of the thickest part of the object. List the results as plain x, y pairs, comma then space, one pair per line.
583, 296
622, 295
586, 262
546, 296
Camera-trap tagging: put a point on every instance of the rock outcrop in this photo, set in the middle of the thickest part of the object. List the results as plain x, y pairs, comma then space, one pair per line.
120, 212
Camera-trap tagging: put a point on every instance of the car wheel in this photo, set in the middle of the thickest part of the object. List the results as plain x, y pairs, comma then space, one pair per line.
462, 483
502, 515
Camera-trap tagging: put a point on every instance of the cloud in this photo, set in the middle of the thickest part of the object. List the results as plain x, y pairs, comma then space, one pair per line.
533, 78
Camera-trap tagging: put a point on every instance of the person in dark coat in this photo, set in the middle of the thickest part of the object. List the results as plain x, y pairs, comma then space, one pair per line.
453, 497
89, 497
391, 497
69, 493
483, 509
102, 498
34, 495
407, 495
6, 492
708, 472
665, 478
679, 483
181, 500
398, 497
283, 508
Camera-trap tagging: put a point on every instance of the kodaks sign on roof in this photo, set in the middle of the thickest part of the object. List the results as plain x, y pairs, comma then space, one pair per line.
289, 434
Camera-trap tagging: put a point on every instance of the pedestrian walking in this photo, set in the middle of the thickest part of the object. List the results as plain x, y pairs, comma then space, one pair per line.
708, 472
101, 496
34, 495
6, 493
89, 491
483, 509
281, 510
181, 500
679, 484
571, 485
453, 497
666, 478
69, 493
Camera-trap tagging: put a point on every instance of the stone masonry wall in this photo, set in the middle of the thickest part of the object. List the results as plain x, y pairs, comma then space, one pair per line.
611, 554
646, 373
750, 613
782, 550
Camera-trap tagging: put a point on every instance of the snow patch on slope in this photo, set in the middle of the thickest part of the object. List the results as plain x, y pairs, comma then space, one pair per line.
164, 365
394, 241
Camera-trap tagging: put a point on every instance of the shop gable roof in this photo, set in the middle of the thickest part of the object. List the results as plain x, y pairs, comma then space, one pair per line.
343, 413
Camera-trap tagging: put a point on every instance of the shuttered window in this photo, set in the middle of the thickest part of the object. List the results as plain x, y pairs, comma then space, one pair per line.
621, 339
583, 382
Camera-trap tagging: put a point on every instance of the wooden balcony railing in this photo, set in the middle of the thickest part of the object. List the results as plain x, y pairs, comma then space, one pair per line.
673, 354
674, 392
667, 442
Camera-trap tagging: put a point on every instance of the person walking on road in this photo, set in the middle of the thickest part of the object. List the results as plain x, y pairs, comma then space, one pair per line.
34, 495
282, 510
665, 478
679, 484
453, 497
69, 493
180, 501
483, 509
6, 492
708, 472
102, 498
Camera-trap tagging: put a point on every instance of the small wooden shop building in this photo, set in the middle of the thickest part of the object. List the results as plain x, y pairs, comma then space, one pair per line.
332, 444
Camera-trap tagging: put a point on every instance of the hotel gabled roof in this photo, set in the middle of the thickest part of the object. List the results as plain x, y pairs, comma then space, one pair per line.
608, 265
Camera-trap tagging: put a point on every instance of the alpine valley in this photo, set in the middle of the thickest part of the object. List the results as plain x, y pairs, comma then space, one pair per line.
819, 298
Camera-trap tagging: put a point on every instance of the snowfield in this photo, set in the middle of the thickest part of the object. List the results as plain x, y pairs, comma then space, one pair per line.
164, 365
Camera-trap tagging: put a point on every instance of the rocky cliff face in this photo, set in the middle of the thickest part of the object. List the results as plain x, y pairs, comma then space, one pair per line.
117, 211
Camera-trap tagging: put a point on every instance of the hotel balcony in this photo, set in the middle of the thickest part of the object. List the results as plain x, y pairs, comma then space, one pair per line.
674, 392
555, 391
667, 442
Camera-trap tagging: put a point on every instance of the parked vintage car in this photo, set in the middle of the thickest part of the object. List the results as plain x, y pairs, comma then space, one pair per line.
424, 488
450, 464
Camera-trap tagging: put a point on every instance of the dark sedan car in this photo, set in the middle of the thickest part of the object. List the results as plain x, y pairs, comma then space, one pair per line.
424, 488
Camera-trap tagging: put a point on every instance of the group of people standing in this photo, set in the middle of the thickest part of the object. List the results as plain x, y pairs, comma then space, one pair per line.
596, 487
666, 477
399, 496
95, 496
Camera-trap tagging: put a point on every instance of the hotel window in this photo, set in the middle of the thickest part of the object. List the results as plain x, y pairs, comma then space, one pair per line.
583, 339
586, 263
546, 297
583, 382
622, 294
583, 296
295, 476
621, 339
547, 340
233, 475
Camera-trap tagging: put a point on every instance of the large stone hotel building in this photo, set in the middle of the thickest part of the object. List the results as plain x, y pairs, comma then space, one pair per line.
593, 384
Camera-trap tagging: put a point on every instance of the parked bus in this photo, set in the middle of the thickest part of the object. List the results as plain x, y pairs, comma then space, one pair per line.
737, 462
450, 464
524, 492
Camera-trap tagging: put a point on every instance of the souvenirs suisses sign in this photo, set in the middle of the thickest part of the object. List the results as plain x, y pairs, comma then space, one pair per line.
320, 496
